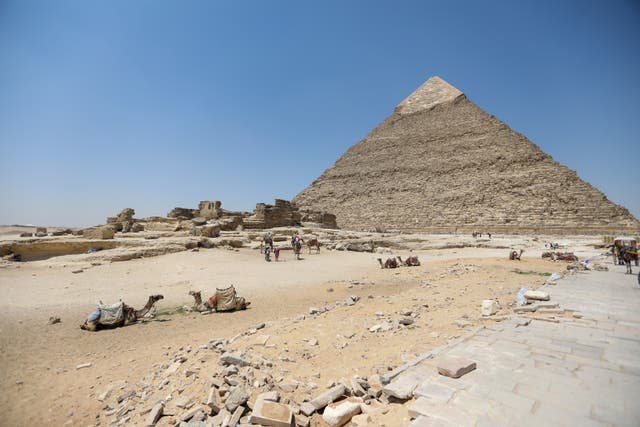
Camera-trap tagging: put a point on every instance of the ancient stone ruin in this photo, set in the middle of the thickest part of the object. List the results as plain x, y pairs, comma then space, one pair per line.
439, 163
282, 214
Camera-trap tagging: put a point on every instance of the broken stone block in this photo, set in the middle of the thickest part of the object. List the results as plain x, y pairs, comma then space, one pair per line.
272, 396
307, 408
455, 367
302, 421
525, 309
356, 388
271, 414
401, 387
233, 359
182, 401
214, 401
537, 295
223, 417
237, 397
328, 396
154, 415
489, 307
340, 413
237, 414
193, 413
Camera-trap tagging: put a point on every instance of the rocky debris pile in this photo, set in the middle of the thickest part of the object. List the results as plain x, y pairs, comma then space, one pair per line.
219, 384
539, 303
439, 163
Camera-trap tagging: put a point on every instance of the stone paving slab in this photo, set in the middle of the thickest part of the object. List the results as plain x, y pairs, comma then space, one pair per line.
577, 372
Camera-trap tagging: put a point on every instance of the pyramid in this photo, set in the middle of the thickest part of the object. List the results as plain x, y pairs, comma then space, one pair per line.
440, 164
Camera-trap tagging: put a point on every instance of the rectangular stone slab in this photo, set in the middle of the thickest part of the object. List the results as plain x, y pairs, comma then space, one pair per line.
272, 414
455, 367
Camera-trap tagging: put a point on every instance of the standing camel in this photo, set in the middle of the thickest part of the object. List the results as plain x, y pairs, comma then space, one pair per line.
314, 243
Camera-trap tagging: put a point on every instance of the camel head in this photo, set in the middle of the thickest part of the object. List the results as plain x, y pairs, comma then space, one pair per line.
155, 298
380, 261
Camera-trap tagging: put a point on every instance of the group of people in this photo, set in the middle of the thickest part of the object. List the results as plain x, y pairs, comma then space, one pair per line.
267, 242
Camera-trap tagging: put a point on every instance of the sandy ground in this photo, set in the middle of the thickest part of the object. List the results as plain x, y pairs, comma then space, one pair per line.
40, 382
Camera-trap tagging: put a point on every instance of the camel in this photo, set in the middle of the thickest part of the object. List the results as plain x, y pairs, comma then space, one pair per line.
223, 300
515, 256
200, 305
411, 261
314, 243
116, 315
391, 262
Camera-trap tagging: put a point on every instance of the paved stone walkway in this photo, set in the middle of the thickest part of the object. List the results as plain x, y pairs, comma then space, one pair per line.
579, 372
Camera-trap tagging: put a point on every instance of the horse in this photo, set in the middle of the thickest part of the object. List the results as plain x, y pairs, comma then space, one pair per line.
314, 243
627, 255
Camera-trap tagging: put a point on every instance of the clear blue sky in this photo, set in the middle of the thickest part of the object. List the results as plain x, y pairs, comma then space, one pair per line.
156, 104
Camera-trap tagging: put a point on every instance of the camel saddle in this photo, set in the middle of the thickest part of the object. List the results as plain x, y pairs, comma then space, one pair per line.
228, 300
111, 314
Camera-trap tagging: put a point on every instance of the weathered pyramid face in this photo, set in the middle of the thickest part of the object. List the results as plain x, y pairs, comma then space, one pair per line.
441, 164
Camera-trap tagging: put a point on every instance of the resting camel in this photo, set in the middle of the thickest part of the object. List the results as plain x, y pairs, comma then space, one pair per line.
411, 261
515, 256
199, 304
314, 243
389, 263
116, 315
223, 300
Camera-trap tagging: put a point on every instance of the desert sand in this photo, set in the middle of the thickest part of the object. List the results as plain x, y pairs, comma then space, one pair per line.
41, 384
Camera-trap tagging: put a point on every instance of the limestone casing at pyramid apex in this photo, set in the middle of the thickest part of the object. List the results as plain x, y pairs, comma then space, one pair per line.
431, 93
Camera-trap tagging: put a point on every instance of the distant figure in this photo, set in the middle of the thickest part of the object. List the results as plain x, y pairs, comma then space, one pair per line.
276, 253
296, 242
268, 240
489, 234
267, 253
515, 256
